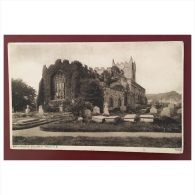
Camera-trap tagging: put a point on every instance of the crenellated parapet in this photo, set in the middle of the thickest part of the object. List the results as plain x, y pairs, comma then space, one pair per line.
99, 70
129, 68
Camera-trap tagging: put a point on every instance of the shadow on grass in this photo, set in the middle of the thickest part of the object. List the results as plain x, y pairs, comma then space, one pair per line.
109, 127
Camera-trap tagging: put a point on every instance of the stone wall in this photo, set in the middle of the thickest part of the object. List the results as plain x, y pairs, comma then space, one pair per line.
49, 73
115, 96
130, 100
129, 68
74, 73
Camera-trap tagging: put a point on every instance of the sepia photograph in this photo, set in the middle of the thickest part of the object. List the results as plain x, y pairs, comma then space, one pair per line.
97, 96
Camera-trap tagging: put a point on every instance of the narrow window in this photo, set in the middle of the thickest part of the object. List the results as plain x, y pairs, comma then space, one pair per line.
59, 86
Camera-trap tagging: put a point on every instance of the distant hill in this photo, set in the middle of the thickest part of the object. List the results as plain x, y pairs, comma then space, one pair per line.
164, 96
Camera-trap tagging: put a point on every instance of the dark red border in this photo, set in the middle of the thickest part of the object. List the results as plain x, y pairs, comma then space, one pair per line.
96, 155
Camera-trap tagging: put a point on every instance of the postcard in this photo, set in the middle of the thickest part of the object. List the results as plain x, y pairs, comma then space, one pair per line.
99, 96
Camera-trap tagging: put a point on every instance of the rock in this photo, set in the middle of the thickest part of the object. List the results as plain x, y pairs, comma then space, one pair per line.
40, 110
80, 119
27, 111
96, 110
179, 111
153, 110
106, 111
171, 106
98, 119
123, 108
147, 118
165, 112
113, 119
87, 114
130, 117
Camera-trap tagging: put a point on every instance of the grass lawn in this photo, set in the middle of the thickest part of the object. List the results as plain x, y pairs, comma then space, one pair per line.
72, 126
95, 141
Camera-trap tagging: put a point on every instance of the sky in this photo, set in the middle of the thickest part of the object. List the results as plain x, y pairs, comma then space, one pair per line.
159, 65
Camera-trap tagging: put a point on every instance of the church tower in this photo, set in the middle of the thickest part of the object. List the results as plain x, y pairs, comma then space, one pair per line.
128, 69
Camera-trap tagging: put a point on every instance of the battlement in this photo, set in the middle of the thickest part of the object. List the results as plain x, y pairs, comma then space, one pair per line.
123, 64
99, 68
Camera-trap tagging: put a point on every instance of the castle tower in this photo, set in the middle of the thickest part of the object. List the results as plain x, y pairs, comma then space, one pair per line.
128, 69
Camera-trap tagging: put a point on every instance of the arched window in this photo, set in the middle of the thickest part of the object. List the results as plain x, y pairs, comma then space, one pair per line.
119, 102
59, 86
110, 102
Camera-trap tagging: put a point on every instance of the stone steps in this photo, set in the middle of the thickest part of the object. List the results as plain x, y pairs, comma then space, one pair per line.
26, 121
32, 123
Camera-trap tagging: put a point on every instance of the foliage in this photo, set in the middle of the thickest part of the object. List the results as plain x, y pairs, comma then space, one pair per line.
22, 95
75, 84
67, 105
79, 106
64, 126
40, 97
107, 77
80, 81
116, 71
118, 87
112, 76
91, 91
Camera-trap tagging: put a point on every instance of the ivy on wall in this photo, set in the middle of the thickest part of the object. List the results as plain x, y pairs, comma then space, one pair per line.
40, 97
75, 74
81, 82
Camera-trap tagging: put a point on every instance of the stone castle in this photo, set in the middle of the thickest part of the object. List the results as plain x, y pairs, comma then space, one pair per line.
62, 80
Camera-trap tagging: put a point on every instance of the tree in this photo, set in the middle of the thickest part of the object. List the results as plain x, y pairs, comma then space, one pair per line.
75, 84
112, 76
107, 77
80, 105
40, 98
22, 95
91, 91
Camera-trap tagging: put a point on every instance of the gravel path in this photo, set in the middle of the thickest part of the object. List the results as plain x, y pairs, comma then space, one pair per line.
37, 132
